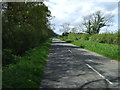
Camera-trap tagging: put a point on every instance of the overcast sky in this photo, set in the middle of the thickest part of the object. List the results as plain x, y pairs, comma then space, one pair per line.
72, 11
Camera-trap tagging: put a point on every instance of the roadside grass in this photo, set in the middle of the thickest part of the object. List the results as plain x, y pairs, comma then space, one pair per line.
68, 41
108, 50
27, 73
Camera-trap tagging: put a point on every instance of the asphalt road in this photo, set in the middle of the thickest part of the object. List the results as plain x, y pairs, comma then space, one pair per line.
69, 66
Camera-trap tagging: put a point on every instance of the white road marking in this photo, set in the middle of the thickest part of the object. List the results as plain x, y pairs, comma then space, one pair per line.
91, 60
70, 51
99, 74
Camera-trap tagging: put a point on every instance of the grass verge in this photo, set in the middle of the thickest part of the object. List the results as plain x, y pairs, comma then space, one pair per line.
27, 73
108, 50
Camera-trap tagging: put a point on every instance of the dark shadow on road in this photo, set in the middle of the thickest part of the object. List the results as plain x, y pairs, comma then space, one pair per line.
59, 42
86, 85
64, 46
114, 79
62, 62
67, 47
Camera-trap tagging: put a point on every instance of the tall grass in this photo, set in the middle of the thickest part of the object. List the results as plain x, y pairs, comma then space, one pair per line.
27, 73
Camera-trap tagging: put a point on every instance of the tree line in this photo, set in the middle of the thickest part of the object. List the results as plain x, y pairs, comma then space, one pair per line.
90, 24
24, 26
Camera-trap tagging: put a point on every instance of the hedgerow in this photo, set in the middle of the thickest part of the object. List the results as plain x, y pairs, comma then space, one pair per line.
26, 73
100, 38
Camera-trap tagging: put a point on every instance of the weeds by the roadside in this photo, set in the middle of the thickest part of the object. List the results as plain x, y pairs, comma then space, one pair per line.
28, 72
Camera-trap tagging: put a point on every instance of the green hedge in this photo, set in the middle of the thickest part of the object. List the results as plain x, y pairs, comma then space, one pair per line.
69, 41
101, 38
105, 38
75, 36
28, 72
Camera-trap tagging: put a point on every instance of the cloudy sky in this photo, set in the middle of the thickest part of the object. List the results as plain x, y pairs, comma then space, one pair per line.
72, 11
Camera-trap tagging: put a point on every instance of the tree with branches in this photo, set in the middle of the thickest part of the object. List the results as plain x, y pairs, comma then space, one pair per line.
95, 21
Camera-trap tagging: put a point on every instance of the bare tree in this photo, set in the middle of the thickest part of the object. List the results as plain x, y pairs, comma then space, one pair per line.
94, 22
87, 23
81, 28
74, 30
65, 28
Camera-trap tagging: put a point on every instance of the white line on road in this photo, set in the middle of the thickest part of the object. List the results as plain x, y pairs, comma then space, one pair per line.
99, 74
91, 60
70, 51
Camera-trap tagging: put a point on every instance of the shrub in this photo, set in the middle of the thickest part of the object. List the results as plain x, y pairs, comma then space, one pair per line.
27, 73
101, 38
105, 38
69, 41
77, 36
85, 36
7, 57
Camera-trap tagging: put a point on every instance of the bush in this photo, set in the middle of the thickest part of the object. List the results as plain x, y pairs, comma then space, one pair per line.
84, 37
63, 38
69, 41
77, 36
100, 38
7, 57
105, 38
72, 36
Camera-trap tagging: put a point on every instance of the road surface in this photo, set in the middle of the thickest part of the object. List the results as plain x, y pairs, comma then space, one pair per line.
69, 66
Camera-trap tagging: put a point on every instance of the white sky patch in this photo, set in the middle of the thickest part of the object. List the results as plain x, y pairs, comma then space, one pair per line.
115, 11
72, 11
105, 0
